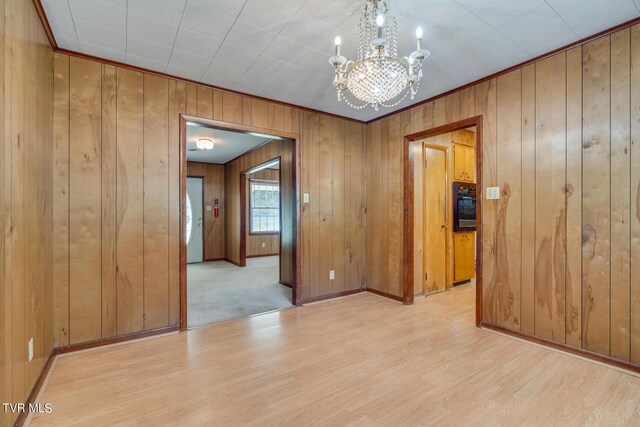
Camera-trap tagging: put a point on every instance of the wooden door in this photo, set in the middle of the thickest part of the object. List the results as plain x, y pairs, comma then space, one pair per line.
435, 219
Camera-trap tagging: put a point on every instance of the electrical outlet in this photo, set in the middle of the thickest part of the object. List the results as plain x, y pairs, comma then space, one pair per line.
31, 349
332, 275
493, 193
305, 197
264, 245
208, 208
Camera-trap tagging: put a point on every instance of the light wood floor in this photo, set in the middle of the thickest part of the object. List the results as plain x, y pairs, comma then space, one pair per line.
360, 360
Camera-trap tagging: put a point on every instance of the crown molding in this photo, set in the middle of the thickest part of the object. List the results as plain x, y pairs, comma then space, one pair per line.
565, 48
604, 33
195, 82
45, 24
57, 49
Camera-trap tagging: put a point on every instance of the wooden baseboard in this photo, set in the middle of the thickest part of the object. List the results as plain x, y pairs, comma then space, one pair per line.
213, 259
36, 388
566, 348
385, 294
143, 334
351, 292
114, 340
332, 296
237, 264
261, 255
287, 284
83, 346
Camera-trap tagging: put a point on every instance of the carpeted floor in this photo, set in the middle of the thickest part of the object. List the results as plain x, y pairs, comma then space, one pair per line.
218, 290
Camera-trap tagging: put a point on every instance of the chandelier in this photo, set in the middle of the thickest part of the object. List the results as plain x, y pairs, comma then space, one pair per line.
378, 76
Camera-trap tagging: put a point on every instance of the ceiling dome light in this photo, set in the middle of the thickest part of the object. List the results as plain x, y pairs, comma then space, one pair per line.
204, 144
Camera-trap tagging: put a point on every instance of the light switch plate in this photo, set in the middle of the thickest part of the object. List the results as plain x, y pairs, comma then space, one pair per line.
305, 197
332, 275
31, 349
493, 193
264, 244
208, 208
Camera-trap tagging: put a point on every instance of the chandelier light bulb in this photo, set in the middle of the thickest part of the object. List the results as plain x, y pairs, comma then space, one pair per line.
380, 25
338, 41
419, 33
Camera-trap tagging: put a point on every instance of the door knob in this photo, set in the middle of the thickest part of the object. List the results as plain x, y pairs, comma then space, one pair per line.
444, 226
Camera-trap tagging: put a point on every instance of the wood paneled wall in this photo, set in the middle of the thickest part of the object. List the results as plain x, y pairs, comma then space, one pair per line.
26, 200
333, 222
115, 139
561, 250
213, 189
271, 241
116, 190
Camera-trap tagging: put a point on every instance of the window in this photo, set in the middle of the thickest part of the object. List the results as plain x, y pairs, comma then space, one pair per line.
264, 207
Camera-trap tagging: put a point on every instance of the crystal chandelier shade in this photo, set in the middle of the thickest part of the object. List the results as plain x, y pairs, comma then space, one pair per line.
378, 76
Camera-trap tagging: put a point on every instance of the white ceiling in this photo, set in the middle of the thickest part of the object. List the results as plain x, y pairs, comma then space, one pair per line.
278, 49
227, 145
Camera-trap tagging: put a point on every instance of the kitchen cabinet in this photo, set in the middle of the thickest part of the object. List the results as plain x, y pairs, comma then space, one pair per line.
463, 256
464, 163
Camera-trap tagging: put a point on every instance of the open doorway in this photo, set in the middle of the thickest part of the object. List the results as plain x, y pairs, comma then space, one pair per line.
239, 223
442, 224
445, 211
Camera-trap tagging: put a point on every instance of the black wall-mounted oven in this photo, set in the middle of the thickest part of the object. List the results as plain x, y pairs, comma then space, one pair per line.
464, 206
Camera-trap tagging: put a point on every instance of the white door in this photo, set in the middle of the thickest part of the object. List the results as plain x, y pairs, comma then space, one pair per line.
194, 220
